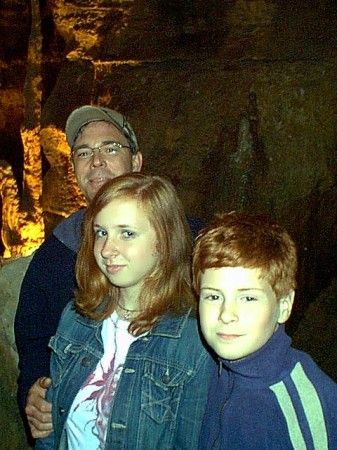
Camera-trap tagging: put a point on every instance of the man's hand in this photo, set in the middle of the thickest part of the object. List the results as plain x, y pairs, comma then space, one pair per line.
38, 410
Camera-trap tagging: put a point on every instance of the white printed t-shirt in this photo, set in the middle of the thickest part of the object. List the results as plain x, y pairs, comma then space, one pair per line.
89, 414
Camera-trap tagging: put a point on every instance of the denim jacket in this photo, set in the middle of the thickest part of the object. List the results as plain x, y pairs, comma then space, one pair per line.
161, 396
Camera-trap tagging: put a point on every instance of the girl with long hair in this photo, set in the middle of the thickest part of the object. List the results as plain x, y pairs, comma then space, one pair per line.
128, 367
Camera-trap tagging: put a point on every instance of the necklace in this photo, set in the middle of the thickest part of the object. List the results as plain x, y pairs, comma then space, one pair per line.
128, 312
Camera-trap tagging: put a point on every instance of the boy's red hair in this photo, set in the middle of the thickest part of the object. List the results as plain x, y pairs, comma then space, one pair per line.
242, 240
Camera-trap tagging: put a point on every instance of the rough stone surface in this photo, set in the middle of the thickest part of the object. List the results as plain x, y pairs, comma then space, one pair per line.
183, 73
317, 332
12, 435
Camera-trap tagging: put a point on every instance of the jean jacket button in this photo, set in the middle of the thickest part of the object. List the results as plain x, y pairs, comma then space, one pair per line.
165, 378
85, 361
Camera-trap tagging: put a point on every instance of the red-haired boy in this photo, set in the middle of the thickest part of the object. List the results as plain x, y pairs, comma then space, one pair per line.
264, 395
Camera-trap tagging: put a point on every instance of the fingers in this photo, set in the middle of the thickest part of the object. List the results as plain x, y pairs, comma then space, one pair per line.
40, 422
37, 432
44, 382
38, 410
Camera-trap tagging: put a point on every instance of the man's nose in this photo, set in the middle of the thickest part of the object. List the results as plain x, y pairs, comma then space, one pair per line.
97, 158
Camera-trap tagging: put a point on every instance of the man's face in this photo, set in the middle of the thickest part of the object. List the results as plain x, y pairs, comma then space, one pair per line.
93, 172
239, 311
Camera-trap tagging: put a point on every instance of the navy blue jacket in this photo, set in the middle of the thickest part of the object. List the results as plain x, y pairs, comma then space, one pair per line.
275, 399
47, 287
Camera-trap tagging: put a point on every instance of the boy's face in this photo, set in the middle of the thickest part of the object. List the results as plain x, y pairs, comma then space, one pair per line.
239, 311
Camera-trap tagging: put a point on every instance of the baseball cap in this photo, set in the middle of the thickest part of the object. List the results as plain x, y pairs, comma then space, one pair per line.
86, 114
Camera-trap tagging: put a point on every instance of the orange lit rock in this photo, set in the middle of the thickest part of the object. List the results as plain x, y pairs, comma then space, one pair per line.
61, 195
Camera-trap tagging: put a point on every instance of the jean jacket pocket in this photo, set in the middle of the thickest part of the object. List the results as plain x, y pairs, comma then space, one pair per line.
65, 354
162, 387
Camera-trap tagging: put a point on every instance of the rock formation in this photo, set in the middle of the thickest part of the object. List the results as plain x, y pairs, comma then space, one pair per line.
183, 73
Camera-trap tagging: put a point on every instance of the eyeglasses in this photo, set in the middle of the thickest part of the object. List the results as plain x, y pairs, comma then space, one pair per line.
107, 150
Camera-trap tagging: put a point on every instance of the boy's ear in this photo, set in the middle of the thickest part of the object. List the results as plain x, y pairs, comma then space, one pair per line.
286, 305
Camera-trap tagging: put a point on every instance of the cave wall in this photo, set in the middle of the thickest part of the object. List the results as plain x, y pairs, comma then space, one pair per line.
183, 72
12, 435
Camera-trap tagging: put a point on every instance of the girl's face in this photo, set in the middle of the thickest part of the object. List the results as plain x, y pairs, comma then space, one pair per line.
125, 245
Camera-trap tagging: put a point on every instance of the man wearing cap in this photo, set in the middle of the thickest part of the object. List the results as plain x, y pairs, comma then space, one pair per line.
103, 146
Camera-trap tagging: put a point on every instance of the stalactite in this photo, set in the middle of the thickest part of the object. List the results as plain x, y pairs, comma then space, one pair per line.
22, 221
33, 231
10, 209
19, 233
246, 170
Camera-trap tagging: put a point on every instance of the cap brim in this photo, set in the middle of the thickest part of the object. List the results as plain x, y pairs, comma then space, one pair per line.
86, 114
